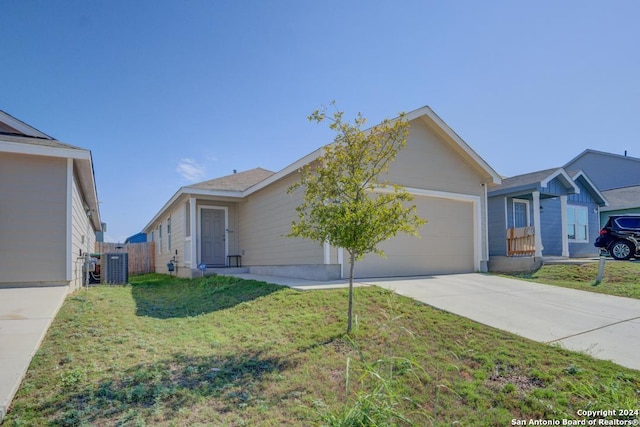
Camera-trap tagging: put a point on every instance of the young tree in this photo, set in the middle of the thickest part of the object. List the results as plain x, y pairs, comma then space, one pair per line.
346, 202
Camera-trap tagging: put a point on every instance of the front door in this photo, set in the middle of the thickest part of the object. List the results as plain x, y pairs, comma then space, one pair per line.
520, 214
212, 246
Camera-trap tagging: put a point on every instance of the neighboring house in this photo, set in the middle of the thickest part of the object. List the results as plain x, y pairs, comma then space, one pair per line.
622, 201
244, 218
137, 238
616, 176
49, 210
546, 213
607, 170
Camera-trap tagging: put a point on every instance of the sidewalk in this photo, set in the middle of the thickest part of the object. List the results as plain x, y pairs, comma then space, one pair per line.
25, 317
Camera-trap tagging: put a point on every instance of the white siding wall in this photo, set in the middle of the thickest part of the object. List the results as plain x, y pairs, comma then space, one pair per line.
266, 218
32, 219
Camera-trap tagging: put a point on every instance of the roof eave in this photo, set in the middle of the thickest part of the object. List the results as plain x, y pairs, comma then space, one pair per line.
187, 191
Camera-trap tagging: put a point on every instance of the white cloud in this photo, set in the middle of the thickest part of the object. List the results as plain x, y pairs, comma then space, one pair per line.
191, 170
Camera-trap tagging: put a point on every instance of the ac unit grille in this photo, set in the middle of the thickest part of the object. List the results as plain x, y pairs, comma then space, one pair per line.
115, 268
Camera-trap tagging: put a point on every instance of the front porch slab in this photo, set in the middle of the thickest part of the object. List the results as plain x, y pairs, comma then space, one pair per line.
523, 264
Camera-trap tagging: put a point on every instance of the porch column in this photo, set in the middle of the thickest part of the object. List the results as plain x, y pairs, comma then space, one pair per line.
193, 230
537, 225
565, 234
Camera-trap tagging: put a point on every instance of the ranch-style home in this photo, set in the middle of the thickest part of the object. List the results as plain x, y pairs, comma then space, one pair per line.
241, 220
49, 212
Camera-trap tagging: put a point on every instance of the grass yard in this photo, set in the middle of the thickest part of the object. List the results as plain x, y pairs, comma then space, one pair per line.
220, 351
621, 278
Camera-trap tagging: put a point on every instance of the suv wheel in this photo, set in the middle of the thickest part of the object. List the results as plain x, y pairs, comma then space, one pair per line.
621, 250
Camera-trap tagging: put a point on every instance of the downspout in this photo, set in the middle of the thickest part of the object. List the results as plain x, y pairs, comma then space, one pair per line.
485, 232
69, 224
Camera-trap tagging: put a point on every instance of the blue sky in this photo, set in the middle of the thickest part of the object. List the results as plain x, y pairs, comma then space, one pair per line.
165, 93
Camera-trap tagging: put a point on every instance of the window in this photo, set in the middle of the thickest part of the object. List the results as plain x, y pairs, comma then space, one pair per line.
187, 219
169, 233
160, 238
577, 223
629, 223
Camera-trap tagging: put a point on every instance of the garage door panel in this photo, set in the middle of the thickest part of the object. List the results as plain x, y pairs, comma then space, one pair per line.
446, 244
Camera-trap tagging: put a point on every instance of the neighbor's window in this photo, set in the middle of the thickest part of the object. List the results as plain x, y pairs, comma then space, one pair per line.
160, 238
187, 219
169, 233
577, 223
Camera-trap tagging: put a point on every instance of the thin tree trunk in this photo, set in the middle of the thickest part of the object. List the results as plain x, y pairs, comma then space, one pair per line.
352, 261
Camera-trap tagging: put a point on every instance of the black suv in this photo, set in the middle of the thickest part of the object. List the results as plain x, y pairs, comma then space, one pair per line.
621, 236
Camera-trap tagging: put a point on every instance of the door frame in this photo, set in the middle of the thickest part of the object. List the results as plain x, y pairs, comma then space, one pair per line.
525, 202
226, 231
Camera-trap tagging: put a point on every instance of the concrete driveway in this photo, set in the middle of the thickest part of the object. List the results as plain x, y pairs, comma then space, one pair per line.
25, 317
606, 327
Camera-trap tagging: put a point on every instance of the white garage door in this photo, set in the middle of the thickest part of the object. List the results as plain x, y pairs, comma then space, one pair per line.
446, 244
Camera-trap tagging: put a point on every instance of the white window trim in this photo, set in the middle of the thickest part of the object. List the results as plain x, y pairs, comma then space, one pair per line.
513, 211
586, 209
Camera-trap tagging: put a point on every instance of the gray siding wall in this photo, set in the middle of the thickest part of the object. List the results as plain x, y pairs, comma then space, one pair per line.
33, 221
552, 225
497, 227
551, 230
608, 172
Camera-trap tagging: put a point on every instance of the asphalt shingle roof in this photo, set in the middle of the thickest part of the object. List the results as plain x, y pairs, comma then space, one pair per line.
623, 198
528, 178
235, 182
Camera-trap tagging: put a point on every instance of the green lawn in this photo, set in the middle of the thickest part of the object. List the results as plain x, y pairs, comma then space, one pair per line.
621, 278
220, 351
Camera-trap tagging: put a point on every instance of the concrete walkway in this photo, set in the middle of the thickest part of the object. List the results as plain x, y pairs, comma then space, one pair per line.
25, 317
603, 326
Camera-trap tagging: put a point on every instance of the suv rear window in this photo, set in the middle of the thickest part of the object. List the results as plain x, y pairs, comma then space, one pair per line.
630, 223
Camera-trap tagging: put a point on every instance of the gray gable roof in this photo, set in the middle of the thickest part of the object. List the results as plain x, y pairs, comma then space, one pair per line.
235, 182
524, 180
622, 198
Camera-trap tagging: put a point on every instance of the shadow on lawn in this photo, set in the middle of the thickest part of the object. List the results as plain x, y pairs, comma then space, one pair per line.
165, 297
162, 388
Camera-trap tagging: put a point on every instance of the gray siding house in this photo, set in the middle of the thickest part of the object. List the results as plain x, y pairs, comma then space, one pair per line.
49, 210
616, 176
546, 213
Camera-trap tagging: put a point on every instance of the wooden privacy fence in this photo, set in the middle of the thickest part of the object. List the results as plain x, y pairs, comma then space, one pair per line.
521, 241
141, 259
